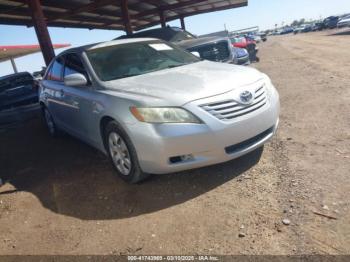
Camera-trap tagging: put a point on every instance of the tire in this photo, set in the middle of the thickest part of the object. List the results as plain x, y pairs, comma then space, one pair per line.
122, 154
50, 124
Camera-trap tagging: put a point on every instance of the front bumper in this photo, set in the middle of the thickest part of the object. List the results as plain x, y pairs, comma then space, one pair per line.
211, 143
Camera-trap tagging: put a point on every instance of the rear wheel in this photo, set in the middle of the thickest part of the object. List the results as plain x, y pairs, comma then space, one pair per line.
122, 154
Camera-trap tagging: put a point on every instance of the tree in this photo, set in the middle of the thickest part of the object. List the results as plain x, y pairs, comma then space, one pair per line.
298, 22
295, 23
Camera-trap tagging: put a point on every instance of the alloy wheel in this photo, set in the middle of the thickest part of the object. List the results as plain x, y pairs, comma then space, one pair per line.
119, 153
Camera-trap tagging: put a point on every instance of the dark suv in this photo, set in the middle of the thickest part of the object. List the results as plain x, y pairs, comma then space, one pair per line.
218, 49
17, 90
331, 22
18, 97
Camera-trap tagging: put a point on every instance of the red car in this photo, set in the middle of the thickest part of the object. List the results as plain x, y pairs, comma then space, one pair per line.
242, 42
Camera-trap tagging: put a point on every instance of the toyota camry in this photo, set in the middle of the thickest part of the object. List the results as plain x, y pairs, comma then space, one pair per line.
154, 108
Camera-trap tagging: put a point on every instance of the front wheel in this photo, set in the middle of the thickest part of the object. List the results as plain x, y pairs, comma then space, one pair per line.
122, 154
50, 124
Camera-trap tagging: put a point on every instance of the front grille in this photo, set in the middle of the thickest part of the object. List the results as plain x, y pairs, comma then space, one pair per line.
214, 52
230, 109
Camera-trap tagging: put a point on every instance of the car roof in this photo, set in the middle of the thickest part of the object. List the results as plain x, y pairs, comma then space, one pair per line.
121, 42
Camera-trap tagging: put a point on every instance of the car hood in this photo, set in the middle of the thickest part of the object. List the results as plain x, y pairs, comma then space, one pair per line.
187, 44
180, 85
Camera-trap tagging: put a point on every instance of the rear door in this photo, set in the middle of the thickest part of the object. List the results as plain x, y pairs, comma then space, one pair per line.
53, 91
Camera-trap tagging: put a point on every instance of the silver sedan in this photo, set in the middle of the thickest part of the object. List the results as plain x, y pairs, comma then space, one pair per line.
154, 108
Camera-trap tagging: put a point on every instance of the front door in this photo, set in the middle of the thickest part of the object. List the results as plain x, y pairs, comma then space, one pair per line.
77, 105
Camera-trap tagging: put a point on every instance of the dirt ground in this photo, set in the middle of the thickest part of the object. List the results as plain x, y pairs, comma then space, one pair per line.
63, 198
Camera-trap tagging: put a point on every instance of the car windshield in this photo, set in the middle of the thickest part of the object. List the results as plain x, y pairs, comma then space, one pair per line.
132, 59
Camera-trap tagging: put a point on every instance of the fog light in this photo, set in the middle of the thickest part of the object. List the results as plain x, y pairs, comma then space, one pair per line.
179, 159
187, 157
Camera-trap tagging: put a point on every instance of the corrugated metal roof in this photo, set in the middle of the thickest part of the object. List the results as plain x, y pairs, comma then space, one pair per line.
106, 14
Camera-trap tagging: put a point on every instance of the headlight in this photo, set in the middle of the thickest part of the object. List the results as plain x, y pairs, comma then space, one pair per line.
163, 115
269, 86
267, 79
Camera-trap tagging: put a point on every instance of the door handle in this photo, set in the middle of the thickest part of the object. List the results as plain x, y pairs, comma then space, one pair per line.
75, 104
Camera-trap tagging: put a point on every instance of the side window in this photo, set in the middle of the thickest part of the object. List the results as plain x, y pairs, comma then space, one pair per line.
74, 65
55, 72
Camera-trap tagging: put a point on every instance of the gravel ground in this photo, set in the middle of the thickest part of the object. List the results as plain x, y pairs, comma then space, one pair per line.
292, 198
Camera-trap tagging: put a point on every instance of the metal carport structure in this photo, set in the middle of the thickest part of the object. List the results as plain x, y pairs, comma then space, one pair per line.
127, 15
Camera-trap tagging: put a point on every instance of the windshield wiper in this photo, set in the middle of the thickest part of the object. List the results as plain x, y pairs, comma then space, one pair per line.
173, 66
126, 75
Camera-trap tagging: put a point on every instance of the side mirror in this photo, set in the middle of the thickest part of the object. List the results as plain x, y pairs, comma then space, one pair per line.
75, 80
195, 53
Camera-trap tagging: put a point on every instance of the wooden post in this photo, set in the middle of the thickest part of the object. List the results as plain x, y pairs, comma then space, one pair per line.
126, 17
41, 30
182, 20
14, 65
162, 18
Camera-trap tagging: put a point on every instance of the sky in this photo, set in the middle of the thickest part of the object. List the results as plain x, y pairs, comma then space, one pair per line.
262, 13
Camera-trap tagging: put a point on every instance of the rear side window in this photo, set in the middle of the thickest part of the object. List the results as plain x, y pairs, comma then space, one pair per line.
55, 72
74, 65
15, 80
5, 84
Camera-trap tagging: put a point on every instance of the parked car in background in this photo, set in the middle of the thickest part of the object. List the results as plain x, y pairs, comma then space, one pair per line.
38, 75
303, 29
298, 29
18, 90
212, 48
18, 97
239, 41
263, 36
287, 30
154, 108
344, 22
248, 44
307, 28
331, 22
256, 38
277, 32
319, 26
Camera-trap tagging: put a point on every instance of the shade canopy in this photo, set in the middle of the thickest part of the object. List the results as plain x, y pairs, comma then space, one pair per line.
108, 14
14, 51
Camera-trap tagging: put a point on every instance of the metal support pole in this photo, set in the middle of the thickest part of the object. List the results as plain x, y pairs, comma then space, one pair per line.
14, 65
41, 30
162, 18
126, 17
182, 20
